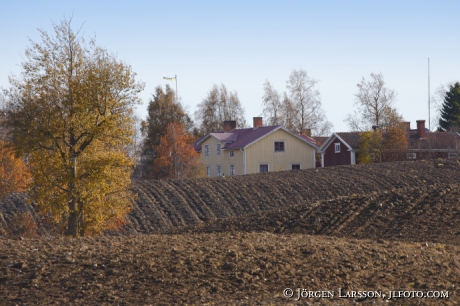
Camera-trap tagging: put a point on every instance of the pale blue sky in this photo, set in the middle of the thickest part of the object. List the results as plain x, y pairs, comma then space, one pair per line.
243, 43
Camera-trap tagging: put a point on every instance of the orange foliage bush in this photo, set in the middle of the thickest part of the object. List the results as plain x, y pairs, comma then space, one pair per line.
175, 156
14, 172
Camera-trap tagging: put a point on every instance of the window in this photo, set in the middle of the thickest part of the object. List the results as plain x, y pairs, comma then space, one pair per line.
411, 156
295, 166
451, 155
206, 150
208, 171
279, 146
263, 168
232, 153
219, 170
337, 147
218, 149
372, 156
232, 169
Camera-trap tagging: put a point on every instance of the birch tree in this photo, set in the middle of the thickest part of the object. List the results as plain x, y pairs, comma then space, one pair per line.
374, 104
300, 108
219, 105
70, 111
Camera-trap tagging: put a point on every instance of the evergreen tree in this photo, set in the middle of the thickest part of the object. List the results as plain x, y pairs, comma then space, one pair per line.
450, 111
163, 110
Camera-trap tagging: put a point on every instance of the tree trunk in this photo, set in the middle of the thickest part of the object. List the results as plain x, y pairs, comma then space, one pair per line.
72, 221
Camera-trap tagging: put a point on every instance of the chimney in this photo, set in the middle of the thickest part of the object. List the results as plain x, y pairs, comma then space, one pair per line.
405, 125
421, 128
229, 125
306, 132
257, 121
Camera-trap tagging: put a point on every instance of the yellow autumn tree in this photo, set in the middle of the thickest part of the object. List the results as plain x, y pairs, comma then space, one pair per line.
176, 158
70, 111
14, 172
385, 145
370, 147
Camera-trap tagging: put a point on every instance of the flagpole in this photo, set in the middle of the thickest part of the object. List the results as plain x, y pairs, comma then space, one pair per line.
177, 96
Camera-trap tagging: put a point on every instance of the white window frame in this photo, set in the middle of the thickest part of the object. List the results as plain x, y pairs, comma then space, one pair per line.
218, 148
231, 154
208, 171
206, 150
219, 170
268, 167
411, 155
300, 166
232, 169
337, 147
284, 146
451, 155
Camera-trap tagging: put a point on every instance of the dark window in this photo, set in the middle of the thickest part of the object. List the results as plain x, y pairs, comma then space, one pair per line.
232, 153
263, 168
279, 146
295, 166
206, 150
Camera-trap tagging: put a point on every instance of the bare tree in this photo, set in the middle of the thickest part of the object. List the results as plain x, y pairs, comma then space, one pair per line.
2, 101
272, 105
374, 103
218, 106
301, 107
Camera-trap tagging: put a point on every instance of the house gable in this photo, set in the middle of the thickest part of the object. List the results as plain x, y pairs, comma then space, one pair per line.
335, 151
269, 151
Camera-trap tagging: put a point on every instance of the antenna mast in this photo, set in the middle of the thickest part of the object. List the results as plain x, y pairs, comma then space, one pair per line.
429, 100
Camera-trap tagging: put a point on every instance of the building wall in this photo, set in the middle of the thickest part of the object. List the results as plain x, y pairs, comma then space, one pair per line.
331, 158
223, 159
296, 151
430, 155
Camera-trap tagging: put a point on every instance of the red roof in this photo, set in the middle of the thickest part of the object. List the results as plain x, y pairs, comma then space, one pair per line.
240, 138
434, 141
351, 138
320, 140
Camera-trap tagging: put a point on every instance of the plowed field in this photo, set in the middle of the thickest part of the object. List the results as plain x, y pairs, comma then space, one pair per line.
376, 230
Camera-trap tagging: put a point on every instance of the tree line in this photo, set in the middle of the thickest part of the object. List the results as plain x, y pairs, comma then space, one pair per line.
74, 144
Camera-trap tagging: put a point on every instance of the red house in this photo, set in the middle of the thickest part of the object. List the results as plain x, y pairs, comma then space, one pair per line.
340, 149
343, 148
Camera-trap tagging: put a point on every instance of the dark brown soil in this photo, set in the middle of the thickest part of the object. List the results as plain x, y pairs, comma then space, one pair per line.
169, 204
409, 214
243, 240
165, 205
221, 269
